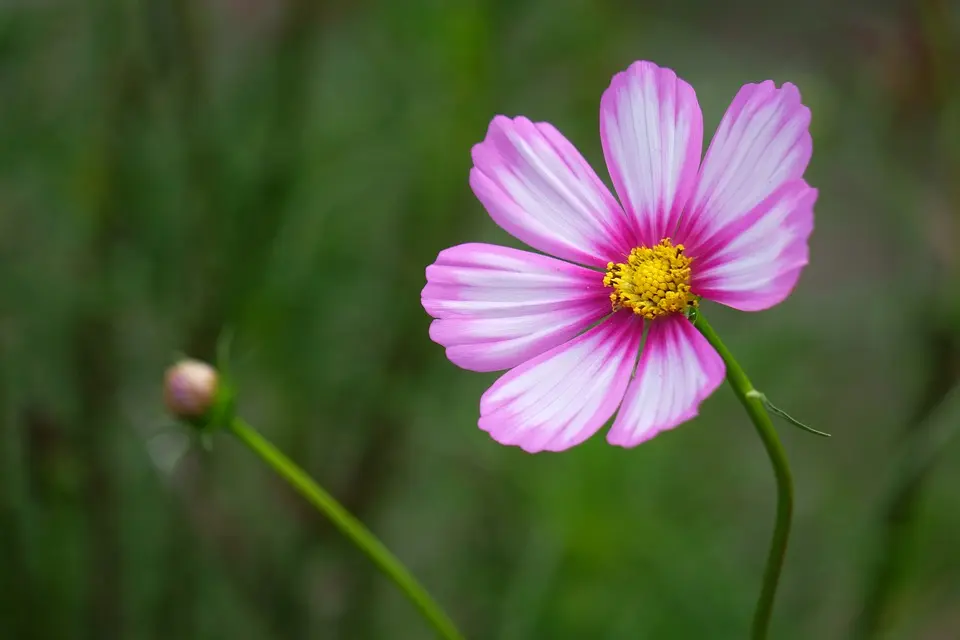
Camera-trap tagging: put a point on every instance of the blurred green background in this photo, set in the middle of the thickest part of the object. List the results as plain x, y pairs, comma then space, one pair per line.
287, 169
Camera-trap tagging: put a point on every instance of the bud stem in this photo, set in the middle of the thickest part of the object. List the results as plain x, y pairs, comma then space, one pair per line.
751, 401
349, 526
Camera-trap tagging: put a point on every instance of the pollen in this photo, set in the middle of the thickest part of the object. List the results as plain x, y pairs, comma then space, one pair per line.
653, 282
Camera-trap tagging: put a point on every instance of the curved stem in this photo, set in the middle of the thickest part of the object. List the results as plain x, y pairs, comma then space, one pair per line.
349, 526
751, 401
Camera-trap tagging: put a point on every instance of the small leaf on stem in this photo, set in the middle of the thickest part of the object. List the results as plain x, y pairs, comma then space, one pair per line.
777, 411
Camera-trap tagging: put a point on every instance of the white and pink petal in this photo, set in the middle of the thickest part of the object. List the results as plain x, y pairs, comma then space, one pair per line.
652, 132
678, 369
762, 143
755, 261
538, 187
564, 396
496, 307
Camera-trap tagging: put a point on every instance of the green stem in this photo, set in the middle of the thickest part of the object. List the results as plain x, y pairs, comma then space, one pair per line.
781, 468
349, 526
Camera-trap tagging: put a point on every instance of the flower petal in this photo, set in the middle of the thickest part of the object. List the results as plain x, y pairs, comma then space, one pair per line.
652, 132
678, 369
498, 307
755, 261
536, 186
562, 397
763, 142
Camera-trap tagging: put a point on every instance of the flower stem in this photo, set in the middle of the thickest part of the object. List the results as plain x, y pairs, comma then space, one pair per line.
751, 401
349, 526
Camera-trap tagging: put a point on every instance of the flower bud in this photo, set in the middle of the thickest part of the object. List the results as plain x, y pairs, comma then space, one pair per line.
190, 388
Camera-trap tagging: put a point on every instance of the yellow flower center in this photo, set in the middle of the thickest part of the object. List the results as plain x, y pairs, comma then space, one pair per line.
653, 282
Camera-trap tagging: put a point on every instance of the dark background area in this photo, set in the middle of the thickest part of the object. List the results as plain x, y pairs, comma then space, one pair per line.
287, 169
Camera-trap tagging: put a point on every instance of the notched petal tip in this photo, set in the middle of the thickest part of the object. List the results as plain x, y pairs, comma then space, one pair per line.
498, 126
640, 67
531, 447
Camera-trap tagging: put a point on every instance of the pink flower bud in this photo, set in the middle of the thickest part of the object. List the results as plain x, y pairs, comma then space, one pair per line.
190, 387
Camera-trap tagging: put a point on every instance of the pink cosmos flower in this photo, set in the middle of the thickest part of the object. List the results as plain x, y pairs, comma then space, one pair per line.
732, 229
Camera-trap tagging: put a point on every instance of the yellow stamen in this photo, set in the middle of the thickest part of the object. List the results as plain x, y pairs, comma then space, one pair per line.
653, 282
